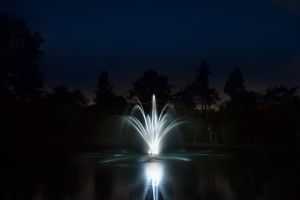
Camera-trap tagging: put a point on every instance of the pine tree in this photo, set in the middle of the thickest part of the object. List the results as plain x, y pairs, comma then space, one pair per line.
235, 85
19, 51
104, 94
204, 97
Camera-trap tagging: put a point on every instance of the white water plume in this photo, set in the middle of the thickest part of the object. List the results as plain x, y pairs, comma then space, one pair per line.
152, 127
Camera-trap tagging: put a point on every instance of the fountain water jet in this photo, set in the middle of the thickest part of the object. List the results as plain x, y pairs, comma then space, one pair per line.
152, 127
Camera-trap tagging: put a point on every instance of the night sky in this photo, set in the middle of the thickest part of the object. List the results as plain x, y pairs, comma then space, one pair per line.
261, 37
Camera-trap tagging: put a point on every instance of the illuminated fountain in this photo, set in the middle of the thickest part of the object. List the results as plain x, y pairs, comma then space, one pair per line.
152, 127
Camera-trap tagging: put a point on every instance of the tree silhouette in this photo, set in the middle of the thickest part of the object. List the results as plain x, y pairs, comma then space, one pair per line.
80, 98
235, 85
152, 83
19, 51
239, 115
186, 96
62, 97
104, 94
280, 95
204, 97
198, 95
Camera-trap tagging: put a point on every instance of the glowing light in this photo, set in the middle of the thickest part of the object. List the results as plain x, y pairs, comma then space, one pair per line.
154, 173
152, 127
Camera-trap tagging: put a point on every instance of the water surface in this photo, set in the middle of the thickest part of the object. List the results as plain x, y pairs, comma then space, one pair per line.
118, 175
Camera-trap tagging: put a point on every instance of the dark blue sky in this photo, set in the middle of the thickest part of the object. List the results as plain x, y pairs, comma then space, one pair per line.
262, 37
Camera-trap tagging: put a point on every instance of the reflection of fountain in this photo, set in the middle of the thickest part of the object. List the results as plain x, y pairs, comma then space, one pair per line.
154, 172
152, 127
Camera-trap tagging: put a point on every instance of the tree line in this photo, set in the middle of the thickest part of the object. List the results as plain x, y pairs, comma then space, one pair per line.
30, 114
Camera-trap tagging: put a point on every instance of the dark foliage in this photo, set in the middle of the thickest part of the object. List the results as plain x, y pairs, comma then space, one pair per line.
104, 92
152, 83
19, 51
235, 85
269, 118
198, 94
32, 117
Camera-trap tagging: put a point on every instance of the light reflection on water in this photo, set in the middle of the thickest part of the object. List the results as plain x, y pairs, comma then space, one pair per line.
154, 173
132, 176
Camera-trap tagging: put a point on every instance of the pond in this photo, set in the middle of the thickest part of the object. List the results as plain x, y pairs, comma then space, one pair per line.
118, 175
